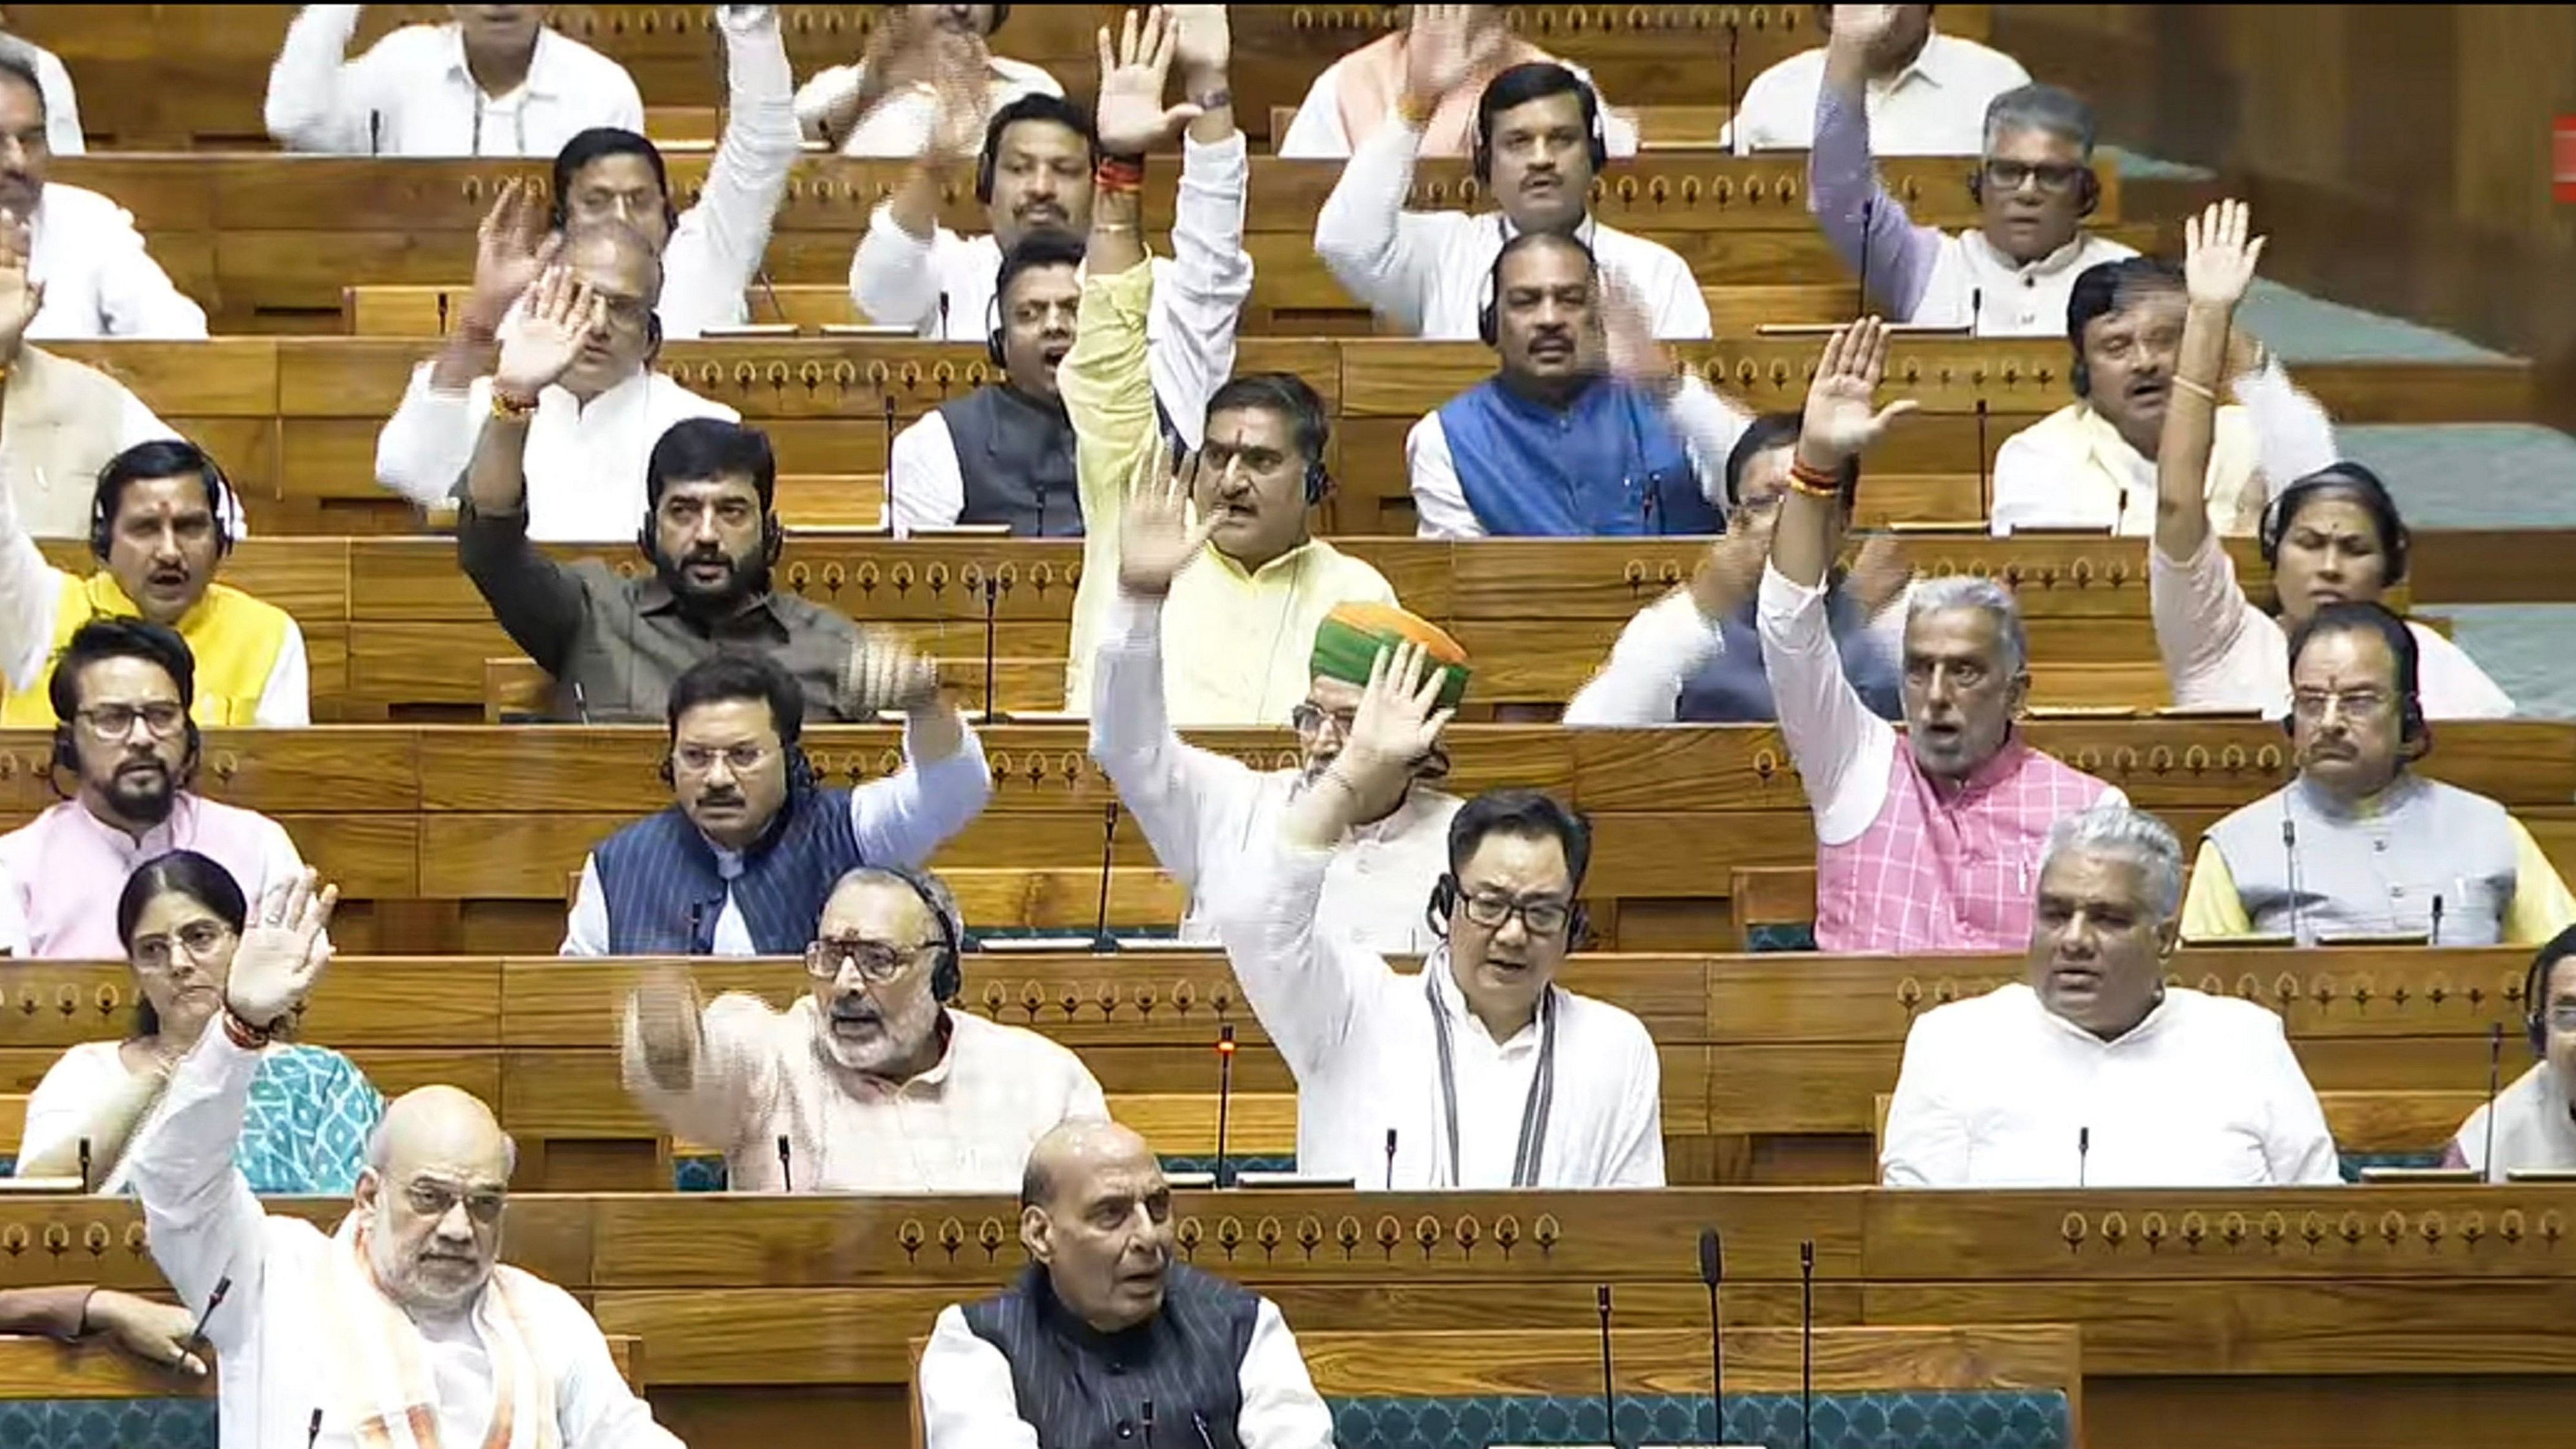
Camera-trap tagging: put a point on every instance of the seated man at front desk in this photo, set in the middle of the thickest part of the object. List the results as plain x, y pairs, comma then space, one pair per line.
1478, 1071
742, 860
2359, 844
2535, 1119
1104, 1342
2094, 1073
870, 1082
400, 1327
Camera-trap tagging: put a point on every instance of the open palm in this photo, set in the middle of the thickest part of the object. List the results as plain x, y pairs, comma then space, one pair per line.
2218, 259
1156, 539
539, 343
1444, 47
1840, 420
512, 248
1131, 117
1398, 720
283, 950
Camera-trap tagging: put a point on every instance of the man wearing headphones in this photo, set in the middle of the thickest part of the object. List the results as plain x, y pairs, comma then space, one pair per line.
2034, 184
1586, 429
2533, 1126
161, 522
1004, 452
1537, 147
2330, 536
2358, 843
1035, 173
872, 1081
2091, 463
1242, 617
742, 859
126, 693
1479, 1071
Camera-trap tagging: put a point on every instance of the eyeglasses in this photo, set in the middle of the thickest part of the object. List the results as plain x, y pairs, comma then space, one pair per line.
199, 939
162, 717
1310, 717
2562, 1017
1544, 916
2313, 705
877, 962
740, 759
2052, 176
432, 1199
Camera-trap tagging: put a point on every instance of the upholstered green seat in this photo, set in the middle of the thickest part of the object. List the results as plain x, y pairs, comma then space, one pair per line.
107, 1423
1781, 936
1922, 1419
2352, 1164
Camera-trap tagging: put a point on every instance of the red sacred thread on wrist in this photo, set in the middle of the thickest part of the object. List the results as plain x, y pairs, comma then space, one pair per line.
244, 1035
1119, 173
1813, 482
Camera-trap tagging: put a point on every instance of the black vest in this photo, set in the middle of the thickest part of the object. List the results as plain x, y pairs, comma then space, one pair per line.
1015, 455
1083, 1389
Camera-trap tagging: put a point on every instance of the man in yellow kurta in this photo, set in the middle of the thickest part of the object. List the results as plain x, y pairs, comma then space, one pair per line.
1239, 625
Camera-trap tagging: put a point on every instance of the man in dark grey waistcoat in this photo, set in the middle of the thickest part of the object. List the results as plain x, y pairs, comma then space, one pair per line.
1104, 1342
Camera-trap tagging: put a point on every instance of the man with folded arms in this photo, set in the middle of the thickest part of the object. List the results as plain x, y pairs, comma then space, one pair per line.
1210, 817
1479, 1071
871, 1081
2094, 1073
401, 1325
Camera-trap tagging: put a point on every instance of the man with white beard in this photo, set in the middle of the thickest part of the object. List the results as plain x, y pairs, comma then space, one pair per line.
868, 1083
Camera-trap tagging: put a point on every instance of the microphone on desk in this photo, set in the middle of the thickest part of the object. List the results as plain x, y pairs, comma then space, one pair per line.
1149, 1424
1199, 1422
991, 589
1101, 941
1976, 310
442, 312
786, 1166
2495, 1067
84, 1165
1734, 42
1609, 1394
1390, 1159
1867, 205
214, 1300
2435, 939
375, 133
893, 515
762, 277
2290, 856
943, 316
1985, 484
1224, 1092
2083, 1151
313, 1427
1712, 1271
1807, 1343
697, 920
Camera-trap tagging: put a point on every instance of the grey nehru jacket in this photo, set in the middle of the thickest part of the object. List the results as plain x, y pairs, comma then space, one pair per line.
616, 644
2344, 870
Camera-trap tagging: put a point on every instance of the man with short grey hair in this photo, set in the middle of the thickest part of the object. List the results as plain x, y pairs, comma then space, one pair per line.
2034, 185
2093, 1072
1930, 847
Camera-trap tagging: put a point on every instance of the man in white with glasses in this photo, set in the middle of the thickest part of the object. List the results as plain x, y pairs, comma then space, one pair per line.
869, 1082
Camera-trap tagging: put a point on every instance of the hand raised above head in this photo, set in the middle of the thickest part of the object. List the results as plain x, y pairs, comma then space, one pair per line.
284, 947
541, 341
885, 672
2218, 258
1156, 539
1445, 47
1839, 422
513, 246
1398, 720
1130, 116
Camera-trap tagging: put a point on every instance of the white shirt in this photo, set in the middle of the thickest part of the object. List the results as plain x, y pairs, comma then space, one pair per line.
900, 124
280, 1359
1708, 423
62, 105
2533, 1129
1936, 106
1317, 134
1211, 818
2220, 652
584, 462
1997, 1091
898, 820
2053, 475
1844, 753
968, 1399
1360, 1040
411, 94
98, 279
926, 485
1427, 271
964, 1126
60, 501
715, 252
1977, 287
901, 281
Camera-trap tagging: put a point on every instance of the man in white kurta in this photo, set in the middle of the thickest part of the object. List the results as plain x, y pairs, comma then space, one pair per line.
1927, 92
2094, 1073
1478, 1071
333, 1341
2535, 1118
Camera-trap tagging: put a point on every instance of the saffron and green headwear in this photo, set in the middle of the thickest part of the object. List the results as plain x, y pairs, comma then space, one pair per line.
1348, 641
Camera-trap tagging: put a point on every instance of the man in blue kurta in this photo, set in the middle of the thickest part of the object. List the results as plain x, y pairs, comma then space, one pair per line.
742, 860
1584, 430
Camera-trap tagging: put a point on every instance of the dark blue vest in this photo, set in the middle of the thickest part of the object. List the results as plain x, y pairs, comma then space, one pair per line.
1015, 457
1083, 1389
664, 894
1608, 466
1734, 688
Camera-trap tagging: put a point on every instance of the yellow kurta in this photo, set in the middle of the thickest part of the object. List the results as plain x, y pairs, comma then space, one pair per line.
236, 640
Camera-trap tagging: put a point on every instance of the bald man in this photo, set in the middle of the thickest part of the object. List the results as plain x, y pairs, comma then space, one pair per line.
1103, 1324
401, 1317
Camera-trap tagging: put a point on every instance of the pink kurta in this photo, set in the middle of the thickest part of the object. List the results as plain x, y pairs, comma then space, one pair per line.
65, 869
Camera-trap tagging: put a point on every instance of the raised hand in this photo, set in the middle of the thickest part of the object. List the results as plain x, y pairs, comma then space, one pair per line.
2218, 260
1839, 422
1206, 41
1131, 116
20, 299
512, 248
886, 673
1397, 723
282, 951
1730, 571
1156, 539
1445, 47
959, 70
1629, 343
1861, 27
540, 341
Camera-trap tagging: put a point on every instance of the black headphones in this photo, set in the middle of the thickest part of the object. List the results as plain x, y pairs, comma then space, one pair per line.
1488, 325
220, 499
773, 538
2351, 477
993, 335
2399, 636
1444, 901
1597, 141
949, 979
2535, 1013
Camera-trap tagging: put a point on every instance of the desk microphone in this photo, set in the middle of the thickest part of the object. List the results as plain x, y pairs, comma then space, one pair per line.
2290, 856
1976, 310
1149, 1424
1390, 1159
1807, 1343
943, 316
1734, 41
84, 1165
786, 1171
1609, 1400
762, 277
894, 516
1199, 1422
1985, 484
442, 312
1224, 1092
375, 133
1867, 205
1101, 941
2435, 939
2495, 1065
313, 1427
2083, 1150
214, 1300
991, 589
1712, 1271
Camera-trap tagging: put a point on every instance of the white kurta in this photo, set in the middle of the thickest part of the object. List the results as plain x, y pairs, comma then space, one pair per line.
279, 1359
1936, 106
1360, 1040
412, 94
2534, 1128
1997, 1091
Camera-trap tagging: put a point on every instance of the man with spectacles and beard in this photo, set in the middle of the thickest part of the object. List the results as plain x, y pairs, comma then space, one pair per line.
1479, 1071
2009, 276
123, 689
743, 859
870, 1080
